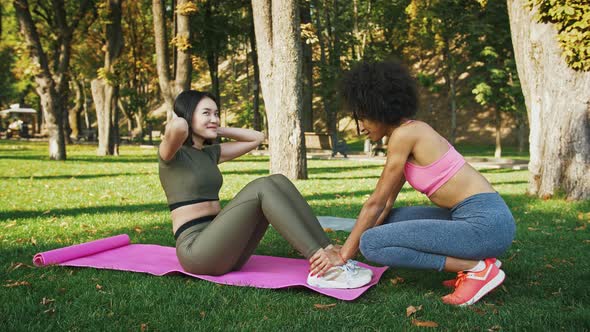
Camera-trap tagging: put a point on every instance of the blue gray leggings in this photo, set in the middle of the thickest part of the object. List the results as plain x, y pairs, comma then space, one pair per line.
481, 226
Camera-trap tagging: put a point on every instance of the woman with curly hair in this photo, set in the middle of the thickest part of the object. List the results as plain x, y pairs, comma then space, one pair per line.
470, 225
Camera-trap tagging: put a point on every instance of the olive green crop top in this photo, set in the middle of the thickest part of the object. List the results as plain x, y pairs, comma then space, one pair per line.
191, 176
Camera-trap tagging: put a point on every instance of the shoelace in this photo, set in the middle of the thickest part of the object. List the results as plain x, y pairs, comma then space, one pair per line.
350, 267
460, 278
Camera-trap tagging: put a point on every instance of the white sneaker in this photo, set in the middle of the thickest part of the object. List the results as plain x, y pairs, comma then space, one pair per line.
349, 275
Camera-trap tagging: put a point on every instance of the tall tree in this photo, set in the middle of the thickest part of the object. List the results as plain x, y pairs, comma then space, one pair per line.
257, 119
171, 86
496, 84
277, 27
105, 88
75, 112
307, 67
51, 77
557, 99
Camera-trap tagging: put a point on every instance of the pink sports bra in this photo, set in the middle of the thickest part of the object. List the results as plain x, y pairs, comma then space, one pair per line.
427, 179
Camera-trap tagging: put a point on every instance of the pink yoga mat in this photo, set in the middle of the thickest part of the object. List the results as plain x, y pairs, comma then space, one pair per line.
116, 253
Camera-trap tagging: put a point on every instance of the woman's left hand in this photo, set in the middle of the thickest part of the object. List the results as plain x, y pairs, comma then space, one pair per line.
324, 259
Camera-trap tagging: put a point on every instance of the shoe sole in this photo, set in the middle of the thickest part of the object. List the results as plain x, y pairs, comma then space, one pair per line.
314, 283
490, 286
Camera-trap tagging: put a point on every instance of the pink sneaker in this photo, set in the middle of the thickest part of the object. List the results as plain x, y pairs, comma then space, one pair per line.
451, 282
472, 286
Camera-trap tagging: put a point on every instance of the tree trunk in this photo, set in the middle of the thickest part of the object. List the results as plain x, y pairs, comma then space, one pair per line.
51, 86
449, 76
105, 89
307, 122
256, 78
53, 118
498, 120
521, 125
75, 113
276, 24
170, 87
558, 106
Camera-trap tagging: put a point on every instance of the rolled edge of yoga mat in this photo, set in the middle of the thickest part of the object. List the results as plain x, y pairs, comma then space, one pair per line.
61, 255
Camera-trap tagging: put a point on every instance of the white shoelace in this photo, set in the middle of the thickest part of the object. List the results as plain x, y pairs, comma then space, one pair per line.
351, 266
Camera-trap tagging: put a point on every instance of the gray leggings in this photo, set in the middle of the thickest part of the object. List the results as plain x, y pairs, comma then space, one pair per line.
421, 237
227, 242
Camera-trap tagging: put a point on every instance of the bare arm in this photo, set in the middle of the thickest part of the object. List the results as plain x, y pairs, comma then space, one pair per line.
376, 207
245, 141
174, 136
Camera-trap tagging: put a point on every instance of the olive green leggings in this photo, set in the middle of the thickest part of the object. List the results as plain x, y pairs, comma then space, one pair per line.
226, 243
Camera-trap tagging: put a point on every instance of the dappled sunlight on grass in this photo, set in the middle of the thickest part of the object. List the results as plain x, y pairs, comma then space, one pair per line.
46, 204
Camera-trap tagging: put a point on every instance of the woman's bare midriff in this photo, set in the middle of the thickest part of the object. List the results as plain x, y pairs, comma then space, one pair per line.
189, 212
465, 183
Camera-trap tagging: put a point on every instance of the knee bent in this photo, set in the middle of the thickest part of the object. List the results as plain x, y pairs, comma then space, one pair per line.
366, 246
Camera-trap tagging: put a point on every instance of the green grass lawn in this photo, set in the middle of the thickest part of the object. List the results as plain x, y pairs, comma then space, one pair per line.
47, 204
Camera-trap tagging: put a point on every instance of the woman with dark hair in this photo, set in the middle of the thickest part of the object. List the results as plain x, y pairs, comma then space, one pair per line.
470, 225
213, 241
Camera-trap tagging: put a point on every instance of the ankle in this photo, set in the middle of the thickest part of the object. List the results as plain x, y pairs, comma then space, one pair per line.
478, 267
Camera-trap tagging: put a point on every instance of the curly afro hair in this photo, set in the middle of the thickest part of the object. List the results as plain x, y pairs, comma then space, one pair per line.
381, 91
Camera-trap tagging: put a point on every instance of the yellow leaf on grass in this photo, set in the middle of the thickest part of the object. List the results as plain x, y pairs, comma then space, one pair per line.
424, 323
324, 306
397, 280
328, 230
17, 283
47, 301
411, 310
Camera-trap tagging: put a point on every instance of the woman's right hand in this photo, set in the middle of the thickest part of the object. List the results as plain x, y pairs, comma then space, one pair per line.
324, 259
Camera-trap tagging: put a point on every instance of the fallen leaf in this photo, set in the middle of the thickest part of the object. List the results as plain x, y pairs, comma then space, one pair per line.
324, 306
202, 314
477, 310
18, 283
138, 229
549, 266
495, 328
397, 280
424, 323
46, 212
328, 230
532, 229
47, 301
143, 327
15, 266
33, 241
99, 287
581, 228
411, 310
